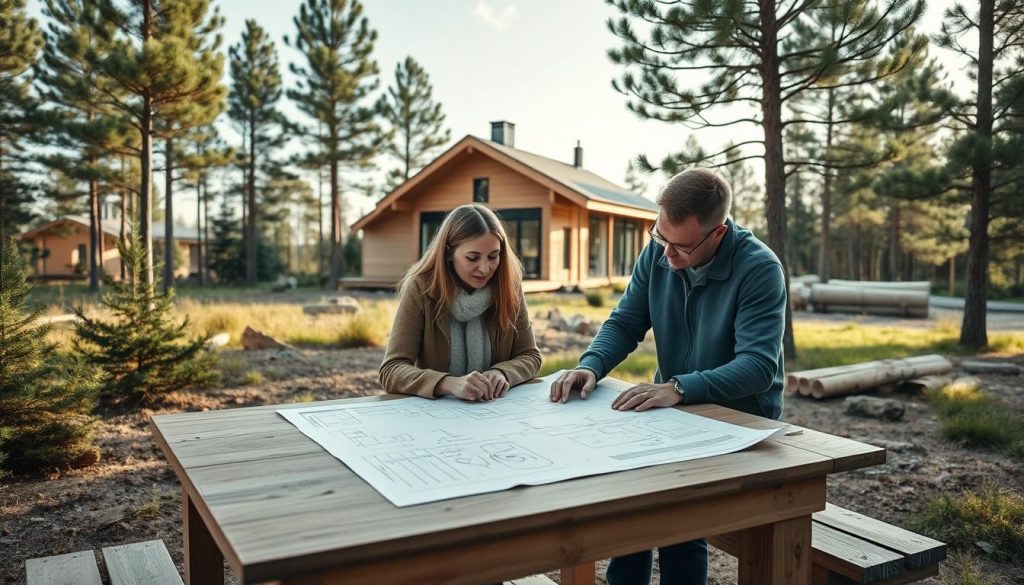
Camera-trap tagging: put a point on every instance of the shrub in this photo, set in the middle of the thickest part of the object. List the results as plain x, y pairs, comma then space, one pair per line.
596, 297
142, 352
45, 401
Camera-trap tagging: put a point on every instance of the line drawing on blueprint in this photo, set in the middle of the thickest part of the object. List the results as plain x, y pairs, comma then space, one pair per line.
469, 463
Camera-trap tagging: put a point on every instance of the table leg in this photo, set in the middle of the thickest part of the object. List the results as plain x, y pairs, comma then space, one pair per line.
577, 575
204, 564
778, 553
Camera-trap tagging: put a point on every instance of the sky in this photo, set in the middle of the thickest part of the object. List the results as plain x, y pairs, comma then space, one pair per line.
540, 64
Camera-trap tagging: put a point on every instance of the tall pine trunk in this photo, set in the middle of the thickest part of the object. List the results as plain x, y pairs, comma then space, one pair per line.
895, 273
95, 231
169, 215
145, 218
824, 260
336, 258
250, 190
775, 172
974, 332
199, 228
204, 267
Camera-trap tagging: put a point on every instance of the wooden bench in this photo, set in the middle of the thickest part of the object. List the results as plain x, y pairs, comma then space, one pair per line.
848, 548
140, 563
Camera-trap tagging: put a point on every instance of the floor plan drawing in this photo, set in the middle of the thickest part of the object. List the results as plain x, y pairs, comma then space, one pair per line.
417, 450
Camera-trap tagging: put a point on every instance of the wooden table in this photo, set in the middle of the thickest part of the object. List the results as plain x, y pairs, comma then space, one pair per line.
279, 508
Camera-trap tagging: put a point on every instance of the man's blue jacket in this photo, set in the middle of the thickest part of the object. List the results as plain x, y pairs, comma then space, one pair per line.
721, 338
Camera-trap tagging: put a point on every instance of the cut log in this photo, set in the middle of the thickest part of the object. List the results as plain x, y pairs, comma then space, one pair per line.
913, 285
880, 310
972, 367
928, 384
887, 371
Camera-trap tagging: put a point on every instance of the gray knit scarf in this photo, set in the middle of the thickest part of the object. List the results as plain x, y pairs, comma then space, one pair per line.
470, 345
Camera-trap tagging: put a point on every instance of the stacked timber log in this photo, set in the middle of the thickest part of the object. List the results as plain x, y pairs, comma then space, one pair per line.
851, 379
902, 299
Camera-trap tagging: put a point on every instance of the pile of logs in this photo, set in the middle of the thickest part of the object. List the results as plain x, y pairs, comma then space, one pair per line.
839, 380
903, 299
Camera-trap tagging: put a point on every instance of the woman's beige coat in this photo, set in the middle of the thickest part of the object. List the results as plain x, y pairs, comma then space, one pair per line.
417, 355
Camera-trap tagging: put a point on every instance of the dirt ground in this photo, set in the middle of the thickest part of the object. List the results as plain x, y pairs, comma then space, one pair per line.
132, 494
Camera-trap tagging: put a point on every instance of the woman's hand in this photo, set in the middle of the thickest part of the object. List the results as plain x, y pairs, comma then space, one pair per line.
499, 383
472, 387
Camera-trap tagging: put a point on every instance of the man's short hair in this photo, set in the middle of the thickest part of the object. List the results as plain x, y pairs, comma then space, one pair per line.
699, 192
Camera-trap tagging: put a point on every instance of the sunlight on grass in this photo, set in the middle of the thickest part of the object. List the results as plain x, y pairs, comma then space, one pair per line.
994, 517
638, 367
569, 304
968, 415
287, 323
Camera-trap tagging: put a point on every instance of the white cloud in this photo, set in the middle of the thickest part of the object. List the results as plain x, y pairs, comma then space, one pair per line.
495, 17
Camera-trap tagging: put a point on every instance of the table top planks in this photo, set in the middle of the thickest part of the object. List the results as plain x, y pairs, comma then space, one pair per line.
270, 494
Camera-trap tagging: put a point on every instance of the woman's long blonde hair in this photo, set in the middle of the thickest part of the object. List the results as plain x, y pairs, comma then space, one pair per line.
465, 223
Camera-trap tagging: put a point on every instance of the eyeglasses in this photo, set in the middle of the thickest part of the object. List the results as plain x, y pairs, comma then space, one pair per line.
656, 237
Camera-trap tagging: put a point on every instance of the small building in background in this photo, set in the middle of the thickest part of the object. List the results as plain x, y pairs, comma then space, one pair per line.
62, 247
570, 227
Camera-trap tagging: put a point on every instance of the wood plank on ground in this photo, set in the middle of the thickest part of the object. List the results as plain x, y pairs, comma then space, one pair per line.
77, 568
141, 563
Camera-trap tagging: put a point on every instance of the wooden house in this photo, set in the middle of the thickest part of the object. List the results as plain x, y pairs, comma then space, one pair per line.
63, 246
570, 227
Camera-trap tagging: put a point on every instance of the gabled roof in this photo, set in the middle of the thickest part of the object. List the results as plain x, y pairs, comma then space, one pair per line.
580, 185
112, 227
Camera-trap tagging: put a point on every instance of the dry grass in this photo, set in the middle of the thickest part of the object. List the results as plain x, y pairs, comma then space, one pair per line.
286, 322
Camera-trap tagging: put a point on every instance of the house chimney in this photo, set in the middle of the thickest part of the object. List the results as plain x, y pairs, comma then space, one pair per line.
504, 132
577, 156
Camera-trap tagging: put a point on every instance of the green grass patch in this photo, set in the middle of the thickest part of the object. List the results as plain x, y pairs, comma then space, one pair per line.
992, 521
638, 367
968, 415
821, 345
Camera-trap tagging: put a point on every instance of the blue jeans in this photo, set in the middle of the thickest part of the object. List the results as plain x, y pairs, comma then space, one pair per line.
685, 563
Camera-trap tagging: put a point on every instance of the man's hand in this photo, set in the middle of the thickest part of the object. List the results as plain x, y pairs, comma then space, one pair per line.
498, 382
580, 379
644, 396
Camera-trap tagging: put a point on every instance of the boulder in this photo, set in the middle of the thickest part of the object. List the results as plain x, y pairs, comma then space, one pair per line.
252, 339
870, 407
284, 283
333, 306
218, 340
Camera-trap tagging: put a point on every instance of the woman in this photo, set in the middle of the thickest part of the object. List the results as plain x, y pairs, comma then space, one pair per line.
462, 327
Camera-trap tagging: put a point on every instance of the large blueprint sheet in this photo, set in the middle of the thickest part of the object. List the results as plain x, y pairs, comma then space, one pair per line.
417, 450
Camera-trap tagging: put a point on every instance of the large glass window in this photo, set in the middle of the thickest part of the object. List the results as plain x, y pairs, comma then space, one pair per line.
430, 222
628, 234
598, 246
523, 228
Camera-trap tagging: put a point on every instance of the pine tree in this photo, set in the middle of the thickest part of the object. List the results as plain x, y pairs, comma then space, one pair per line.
165, 60
45, 401
81, 122
142, 352
255, 92
206, 151
339, 75
743, 49
416, 121
20, 42
989, 151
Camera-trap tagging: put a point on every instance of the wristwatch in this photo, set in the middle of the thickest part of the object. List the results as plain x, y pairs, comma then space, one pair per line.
679, 390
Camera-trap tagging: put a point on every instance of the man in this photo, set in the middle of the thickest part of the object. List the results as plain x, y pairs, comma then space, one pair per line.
715, 296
